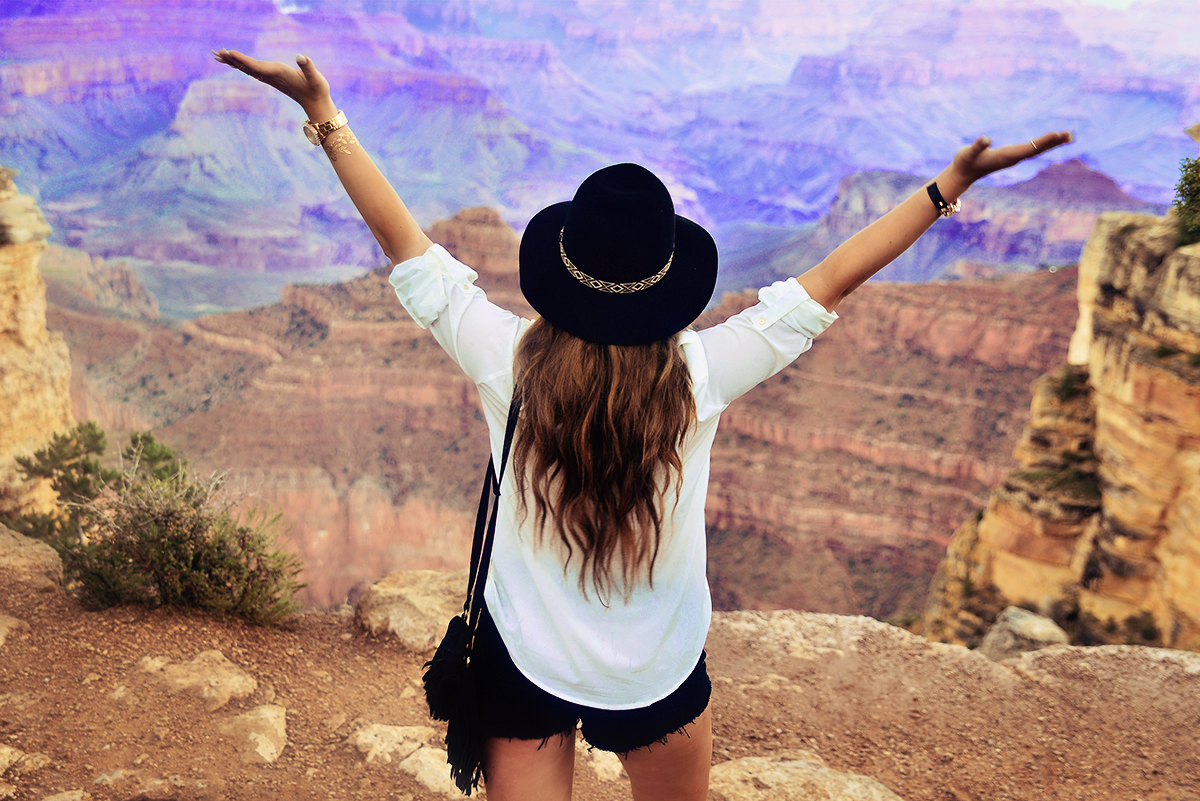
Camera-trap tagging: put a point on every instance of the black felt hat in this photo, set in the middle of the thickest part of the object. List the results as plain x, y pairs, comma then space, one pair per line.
616, 264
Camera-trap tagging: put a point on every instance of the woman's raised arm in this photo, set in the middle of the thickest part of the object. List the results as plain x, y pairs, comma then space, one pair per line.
380, 206
877, 245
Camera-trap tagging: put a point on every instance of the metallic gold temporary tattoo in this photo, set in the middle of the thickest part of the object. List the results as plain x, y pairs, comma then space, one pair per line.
339, 142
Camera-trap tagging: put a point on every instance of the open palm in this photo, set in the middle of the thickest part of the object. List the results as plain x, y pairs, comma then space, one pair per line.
304, 84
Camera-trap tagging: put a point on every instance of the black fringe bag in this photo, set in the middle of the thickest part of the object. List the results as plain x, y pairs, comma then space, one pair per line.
449, 684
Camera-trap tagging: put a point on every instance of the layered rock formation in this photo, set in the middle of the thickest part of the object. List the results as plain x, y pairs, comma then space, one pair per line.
1101, 530
78, 280
835, 485
381, 432
151, 150
35, 368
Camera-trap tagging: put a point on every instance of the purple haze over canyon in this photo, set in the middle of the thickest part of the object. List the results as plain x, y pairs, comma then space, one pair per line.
136, 144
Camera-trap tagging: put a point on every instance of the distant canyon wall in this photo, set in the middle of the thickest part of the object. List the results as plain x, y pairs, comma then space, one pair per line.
142, 147
1101, 526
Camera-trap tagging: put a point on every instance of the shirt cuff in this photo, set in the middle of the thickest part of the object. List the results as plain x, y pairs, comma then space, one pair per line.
423, 283
788, 302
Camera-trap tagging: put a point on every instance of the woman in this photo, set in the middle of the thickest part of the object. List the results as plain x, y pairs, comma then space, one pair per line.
597, 595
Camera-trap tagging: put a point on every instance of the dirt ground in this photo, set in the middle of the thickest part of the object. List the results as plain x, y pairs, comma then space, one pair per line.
930, 722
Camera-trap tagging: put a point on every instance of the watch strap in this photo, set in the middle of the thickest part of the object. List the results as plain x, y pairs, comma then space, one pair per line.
944, 208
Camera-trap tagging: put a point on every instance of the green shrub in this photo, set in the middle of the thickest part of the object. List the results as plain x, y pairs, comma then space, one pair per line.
153, 534
1187, 201
1077, 484
1071, 382
174, 541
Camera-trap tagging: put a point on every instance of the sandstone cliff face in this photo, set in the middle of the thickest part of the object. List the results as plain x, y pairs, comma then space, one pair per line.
357, 428
1102, 529
35, 368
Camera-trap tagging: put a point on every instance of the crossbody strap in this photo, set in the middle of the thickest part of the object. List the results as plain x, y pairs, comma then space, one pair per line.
485, 523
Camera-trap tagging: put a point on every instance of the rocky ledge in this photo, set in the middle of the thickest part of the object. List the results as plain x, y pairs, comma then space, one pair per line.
134, 703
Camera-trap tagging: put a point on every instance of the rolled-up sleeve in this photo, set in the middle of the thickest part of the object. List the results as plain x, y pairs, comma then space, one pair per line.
424, 283
760, 341
439, 292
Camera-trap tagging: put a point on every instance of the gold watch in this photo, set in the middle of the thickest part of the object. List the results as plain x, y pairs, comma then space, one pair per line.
317, 131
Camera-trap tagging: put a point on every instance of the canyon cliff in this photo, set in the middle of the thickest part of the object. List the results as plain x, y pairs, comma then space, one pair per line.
1101, 526
35, 368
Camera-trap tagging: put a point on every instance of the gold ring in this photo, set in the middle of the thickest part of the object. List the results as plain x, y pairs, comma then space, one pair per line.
1036, 149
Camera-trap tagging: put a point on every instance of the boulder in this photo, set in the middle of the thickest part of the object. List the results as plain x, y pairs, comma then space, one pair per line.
791, 776
382, 743
409, 747
1017, 630
10, 624
31, 561
209, 676
414, 605
17, 761
259, 735
132, 783
604, 764
428, 765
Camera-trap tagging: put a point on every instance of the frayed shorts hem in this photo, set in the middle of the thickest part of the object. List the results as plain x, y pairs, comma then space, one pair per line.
512, 707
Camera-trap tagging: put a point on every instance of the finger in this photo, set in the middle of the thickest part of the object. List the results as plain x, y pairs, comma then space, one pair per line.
306, 67
1049, 141
262, 70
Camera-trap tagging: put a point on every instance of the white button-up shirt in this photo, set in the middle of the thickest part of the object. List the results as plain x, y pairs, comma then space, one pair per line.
628, 651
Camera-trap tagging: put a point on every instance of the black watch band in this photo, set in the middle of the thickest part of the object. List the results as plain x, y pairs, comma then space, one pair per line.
945, 209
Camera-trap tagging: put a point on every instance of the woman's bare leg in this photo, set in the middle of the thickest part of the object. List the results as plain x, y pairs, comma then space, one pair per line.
526, 770
676, 770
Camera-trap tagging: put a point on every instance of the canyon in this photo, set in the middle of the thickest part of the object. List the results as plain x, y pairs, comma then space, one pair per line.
835, 485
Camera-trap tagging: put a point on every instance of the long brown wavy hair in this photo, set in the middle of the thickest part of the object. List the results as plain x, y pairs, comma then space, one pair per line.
597, 443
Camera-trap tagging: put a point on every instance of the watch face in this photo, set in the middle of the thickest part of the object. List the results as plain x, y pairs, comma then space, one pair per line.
311, 133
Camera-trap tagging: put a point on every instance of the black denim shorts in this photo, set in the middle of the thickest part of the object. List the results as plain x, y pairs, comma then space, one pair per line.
513, 707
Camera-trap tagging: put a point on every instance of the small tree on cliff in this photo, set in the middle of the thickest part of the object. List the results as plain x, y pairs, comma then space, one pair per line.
71, 464
1187, 201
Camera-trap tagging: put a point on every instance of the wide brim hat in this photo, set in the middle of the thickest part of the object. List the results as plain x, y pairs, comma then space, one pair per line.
616, 264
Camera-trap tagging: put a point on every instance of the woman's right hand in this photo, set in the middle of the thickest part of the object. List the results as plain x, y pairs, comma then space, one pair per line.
304, 83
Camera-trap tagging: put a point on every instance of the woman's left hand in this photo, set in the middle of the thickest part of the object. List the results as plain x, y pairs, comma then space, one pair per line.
979, 158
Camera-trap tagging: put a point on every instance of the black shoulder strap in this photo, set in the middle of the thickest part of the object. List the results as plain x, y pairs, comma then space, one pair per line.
485, 524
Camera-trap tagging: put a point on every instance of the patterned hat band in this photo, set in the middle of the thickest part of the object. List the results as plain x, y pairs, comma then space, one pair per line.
608, 286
